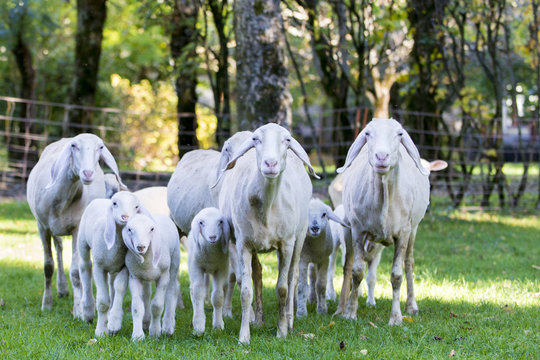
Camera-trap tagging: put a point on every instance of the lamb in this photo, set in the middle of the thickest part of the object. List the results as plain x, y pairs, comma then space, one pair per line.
208, 255
385, 196
317, 247
64, 180
154, 199
266, 197
154, 255
112, 186
100, 231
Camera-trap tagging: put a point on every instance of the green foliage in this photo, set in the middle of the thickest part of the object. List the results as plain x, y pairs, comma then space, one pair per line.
477, 287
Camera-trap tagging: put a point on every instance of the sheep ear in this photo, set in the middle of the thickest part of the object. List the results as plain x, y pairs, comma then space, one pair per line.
413, 152
354, 150
226, 236
246, 145
334, 217
144, 211
156, 247
61, 162
128, 241
108, 158
299, 151
224, 159
437, 165
110, 228
196, 232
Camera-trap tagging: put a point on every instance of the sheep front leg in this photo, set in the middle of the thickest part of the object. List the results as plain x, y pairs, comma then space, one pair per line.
396, 277
347, 273
157, 304
85, 268
330, 291
75, 276
198, 292
218, 281
246, 291
412, 307
322, 272
358, 270
231, 281
120, 284
48, 267
61, 283
312, 272
257, 285
147, 295
137, 307
301, 309
102, 299
372, 278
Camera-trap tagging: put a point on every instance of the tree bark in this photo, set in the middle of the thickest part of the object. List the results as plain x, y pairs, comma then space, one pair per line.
91, 16
184, 38
262, 76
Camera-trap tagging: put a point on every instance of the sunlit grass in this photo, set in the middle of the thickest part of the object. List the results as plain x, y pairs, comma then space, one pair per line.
477, 286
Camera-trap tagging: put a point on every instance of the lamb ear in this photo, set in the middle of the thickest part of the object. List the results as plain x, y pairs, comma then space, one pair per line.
110, 228
354, 150
144, 211
61, 162
196, 232
128, 241
226, 236
156, 247
246, 145
334, 217
108, 158
299, 151
413, 152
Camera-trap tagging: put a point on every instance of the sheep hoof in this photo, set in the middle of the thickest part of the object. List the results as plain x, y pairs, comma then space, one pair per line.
370, 303
112, 332
63, 294
395, 320
301, 313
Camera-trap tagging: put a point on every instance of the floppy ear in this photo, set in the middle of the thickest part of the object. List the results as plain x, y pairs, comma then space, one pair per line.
128, 241
334, 217
413, 152
196, 232
354, 150
224, 159
110, 228
61, 162
246, 145
299, 151
107, 157
144, 211
226, 235
157, 243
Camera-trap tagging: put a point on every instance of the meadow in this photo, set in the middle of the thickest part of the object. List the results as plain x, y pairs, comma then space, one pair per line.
477, 286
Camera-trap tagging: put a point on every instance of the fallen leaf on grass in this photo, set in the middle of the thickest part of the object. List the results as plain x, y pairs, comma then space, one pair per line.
453, 314
2, 303
438, 338
408, 319
342, 345
362, 337
323, 327
363, 352
452, 353
91, 342
308, 336
536, 267
372, 324
526, 332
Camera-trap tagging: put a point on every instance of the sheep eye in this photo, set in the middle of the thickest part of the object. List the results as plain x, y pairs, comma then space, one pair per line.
201, 223
323, 214
136, 207
220, 222
115, 204
152, 228
287, 140
368, 133
256, 140
400, 133
129, 229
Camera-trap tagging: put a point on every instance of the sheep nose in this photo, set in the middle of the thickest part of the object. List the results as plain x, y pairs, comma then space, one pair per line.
315, 229
270, 163
125, 217
382, 156
88, 174
140, 248
212, 238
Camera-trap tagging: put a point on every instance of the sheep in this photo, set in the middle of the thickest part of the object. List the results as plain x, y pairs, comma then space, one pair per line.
317, 247
112, 186
209, 255
385, 196
100, 231
64, 180
265, 196
154, 199
154, 255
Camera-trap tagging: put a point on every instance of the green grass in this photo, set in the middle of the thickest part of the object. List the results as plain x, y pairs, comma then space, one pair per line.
477, 286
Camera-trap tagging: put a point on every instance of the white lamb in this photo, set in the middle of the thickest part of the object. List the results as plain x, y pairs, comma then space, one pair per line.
100, 232
266, 197
385, 196
154, 255
154, 199
208, 255
317, 247
64, 180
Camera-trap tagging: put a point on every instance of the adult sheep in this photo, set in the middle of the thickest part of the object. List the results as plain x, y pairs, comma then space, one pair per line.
385, 196
265, 195
65, 179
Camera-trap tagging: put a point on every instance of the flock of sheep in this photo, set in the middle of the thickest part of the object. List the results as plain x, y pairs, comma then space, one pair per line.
252, 197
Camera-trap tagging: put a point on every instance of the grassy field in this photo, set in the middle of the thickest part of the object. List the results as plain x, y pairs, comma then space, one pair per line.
477, 286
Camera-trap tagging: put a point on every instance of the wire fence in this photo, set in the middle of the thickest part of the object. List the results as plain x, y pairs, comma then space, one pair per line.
486, 169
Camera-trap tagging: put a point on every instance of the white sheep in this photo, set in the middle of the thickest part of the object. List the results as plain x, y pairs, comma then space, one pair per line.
154, 199
112, 186
64, 180
208, 255
265, 196
385, 196
100, 232
154, 255
317, 247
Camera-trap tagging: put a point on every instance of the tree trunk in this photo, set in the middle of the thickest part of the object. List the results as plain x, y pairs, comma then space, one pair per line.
90, 21
262, 76
184, 38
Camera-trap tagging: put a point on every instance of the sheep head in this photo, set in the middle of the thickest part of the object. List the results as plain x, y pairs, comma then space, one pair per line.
81, 155
271, 142
141, 233
319, 214
209, 225
383, 138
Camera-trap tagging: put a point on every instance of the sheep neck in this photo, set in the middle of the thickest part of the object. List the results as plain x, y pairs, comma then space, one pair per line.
67, 189
384, 186
264, 195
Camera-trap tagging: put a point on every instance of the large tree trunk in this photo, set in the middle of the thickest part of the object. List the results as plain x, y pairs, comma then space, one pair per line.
90, 21
262, 76
184, 38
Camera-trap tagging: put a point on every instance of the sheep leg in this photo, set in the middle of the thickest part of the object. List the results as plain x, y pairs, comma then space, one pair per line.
48, 266
292, 278
330, 291
412, 307
301, 309
256, 276
282, 288
207, 287
180, 299
75, 277
157, 304
85, 268
171, 298
347, 273
120, 281
372, 278
357, 273
197, 293
61, 283
246, 291
312, 271
147, 294
322, 272
110, 280
137, 307
231, 281
396, 277
102, 299
219, 279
